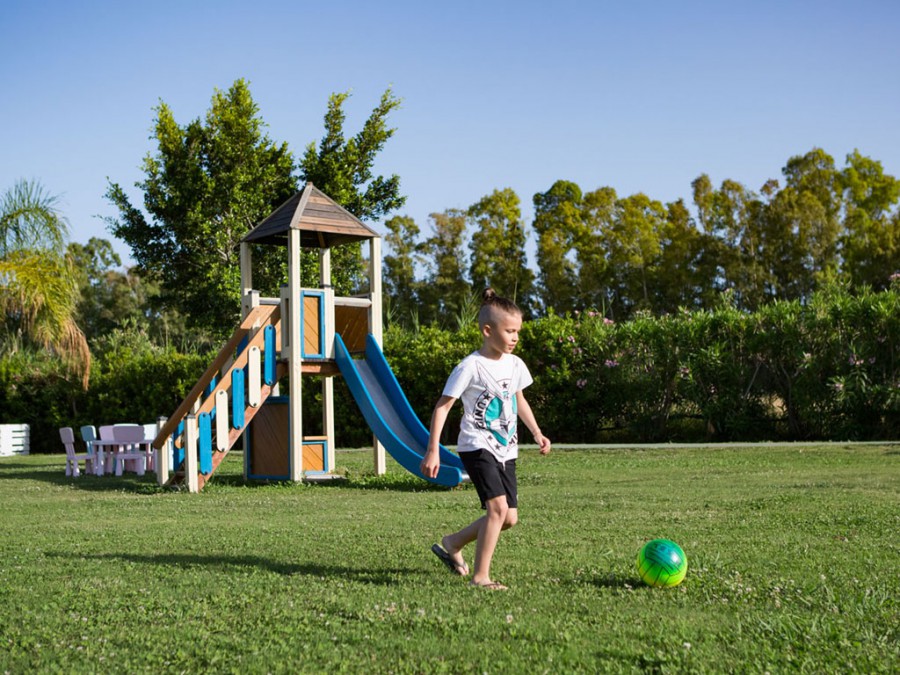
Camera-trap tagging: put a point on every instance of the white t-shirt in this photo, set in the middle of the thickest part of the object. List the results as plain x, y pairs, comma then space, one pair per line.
487, 389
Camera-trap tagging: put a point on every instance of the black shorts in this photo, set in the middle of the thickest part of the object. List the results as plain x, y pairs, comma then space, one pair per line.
490, 477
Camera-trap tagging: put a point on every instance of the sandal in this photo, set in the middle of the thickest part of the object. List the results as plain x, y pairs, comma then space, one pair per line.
456, 568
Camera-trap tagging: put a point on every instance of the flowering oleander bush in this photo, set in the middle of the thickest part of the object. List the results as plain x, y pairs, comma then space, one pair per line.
827, 370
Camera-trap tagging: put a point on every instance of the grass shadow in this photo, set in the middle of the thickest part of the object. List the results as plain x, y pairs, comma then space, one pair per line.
395, 483
612, 580
145, 484
391, 482
366, 575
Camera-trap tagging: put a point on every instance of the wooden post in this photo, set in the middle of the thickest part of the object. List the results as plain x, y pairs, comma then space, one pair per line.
328, 381
295, 435
375, 311
163, 455
249, 301
246, 269
191, 463
325, 267
328, 418
375, 328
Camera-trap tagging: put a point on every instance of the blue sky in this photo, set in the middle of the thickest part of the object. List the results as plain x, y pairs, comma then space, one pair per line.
640, 96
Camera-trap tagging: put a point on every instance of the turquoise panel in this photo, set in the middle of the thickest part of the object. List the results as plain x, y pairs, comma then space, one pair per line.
205, 430
238, 402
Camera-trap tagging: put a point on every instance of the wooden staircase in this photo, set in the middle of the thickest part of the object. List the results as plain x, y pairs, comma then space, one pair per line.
216, 412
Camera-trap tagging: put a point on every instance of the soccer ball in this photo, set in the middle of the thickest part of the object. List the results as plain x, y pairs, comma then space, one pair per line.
662, 563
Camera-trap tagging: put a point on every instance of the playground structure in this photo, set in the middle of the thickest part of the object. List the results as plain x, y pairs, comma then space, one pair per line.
305, 331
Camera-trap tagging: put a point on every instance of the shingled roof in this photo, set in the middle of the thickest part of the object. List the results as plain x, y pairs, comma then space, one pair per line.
322, 222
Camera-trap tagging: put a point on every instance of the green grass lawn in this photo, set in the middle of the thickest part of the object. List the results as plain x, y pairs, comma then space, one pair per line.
792, 551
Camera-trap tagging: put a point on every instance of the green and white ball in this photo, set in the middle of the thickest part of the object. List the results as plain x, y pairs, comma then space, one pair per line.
662, 563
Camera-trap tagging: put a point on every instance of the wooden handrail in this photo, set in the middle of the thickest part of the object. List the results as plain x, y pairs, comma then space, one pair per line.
256, 318
224, 383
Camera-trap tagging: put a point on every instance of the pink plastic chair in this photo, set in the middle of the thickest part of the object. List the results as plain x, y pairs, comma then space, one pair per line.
67, 436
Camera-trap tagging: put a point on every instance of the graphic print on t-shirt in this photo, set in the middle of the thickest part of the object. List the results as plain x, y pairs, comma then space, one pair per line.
495, 412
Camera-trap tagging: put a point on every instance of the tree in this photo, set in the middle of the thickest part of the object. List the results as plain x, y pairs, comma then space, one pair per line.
209, 183
342, 169
106, 298
634, 243
498, 247
730, 214
594, 273
38, 291
558, 222
807, 218
683, 274
797, 246
871, 240
400, 264
815, 173
445, 292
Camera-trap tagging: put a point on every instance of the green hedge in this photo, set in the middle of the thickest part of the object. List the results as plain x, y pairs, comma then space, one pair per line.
135, 388
828, 370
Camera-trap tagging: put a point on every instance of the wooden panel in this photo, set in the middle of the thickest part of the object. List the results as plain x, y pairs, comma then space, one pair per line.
222, 415
254, 378
339, 226
352, 323
313, 457
319, 368
269, 454
311, 325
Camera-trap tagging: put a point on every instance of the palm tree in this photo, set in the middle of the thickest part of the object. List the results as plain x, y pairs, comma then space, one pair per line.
38, 290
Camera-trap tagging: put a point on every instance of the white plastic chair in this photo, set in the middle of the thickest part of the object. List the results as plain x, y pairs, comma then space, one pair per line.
150, 436
67, 436
133, 446
109, 451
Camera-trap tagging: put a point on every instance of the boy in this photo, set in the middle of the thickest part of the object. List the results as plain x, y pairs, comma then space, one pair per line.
490, 383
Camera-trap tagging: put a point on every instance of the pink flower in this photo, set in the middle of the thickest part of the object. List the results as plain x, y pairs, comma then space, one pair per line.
607, 322
581, 384
611, 363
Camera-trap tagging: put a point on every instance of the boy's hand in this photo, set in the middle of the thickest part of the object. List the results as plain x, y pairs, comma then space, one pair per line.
543, 443
430, 464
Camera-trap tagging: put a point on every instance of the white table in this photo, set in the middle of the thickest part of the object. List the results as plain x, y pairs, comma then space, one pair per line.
109, 449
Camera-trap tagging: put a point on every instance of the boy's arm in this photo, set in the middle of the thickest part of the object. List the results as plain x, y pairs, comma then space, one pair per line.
431, 462
527, 416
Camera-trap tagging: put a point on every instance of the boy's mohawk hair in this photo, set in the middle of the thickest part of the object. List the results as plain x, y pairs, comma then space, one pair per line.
490, 301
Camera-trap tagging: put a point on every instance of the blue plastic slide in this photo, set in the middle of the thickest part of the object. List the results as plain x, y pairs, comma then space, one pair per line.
389, 414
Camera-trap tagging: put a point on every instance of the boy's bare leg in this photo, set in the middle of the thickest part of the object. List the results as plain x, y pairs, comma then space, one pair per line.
488, 535
454, 543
